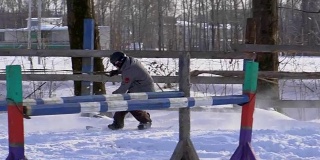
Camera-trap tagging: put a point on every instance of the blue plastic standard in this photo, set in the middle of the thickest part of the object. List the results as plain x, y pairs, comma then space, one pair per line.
87, 62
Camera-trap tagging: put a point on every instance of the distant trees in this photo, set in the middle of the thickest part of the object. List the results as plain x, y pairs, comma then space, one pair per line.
198, 25
299, 22
13, 13
159, 24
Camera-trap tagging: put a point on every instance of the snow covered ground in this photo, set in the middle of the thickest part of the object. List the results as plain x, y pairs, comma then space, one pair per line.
215, 135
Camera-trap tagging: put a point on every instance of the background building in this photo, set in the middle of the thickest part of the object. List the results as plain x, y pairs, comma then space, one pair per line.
53, 35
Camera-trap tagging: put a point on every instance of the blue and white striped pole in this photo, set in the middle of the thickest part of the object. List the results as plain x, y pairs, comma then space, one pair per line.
150, 104
99, 98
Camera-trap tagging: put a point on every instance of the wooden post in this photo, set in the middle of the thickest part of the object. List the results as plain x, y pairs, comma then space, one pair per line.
250, 37
184, 149
15, 112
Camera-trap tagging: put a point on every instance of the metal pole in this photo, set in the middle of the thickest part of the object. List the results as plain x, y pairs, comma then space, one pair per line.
39, 24
39, 39
29, 25
30, 40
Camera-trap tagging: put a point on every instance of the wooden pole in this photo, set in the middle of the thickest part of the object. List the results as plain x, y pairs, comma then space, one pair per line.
15, 112
184, 149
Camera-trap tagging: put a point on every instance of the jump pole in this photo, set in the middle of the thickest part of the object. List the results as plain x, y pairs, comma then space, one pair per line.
131, 105
98, 98
244, 150
15, 113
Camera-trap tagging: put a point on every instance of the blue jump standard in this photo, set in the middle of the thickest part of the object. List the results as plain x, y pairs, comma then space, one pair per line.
97, 98
129, 105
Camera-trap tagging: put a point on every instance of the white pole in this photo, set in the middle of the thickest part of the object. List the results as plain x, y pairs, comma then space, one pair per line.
29, 40
29, 24
39, 29
39, 25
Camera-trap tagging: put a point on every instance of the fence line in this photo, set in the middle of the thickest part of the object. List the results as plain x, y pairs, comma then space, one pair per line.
227, 77
138, 54
305, 49
104, 78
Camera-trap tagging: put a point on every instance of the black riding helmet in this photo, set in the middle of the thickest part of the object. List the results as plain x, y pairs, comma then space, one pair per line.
117, 59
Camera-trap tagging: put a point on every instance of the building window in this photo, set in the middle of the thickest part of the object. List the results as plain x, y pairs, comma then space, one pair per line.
1, 36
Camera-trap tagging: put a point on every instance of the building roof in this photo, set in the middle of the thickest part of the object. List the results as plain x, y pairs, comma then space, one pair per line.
43, 28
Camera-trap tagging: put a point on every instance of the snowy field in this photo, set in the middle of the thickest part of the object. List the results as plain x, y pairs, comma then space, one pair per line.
215, 135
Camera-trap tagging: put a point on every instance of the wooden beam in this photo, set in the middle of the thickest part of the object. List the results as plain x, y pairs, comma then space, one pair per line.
102, 78
229, 77
178, 151
291, 103
239, 52
262, 74
138, 54
277, 48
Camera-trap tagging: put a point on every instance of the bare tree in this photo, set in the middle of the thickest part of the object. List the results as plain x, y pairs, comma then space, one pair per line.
101, 7
265, 14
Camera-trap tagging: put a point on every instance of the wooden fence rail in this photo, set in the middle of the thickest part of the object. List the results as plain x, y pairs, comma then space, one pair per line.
291, 103
103, 78
243, 51
227, 77
306, 50
138, 54
262, 74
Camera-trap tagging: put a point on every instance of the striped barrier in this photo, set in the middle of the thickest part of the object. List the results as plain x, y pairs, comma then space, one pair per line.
129, 105
97, 98
125, 102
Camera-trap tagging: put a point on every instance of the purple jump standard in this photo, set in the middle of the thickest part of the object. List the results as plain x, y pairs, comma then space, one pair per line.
15, 110
244, 150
